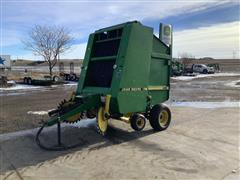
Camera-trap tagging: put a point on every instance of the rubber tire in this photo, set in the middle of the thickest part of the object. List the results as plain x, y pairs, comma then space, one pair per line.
25, 80
73, 77
133, 122
56, 78
91, 114
67, 78
29, 81
154, 117
205, 71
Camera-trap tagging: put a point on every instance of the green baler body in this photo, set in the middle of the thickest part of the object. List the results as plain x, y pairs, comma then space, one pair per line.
128, 62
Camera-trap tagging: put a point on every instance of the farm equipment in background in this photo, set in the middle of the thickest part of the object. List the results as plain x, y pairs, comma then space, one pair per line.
125, 76
215, 66
69, 76
177, 68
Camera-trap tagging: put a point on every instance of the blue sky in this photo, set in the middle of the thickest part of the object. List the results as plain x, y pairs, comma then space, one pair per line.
201, 28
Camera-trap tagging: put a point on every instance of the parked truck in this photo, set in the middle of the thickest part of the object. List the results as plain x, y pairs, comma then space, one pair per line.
199, 68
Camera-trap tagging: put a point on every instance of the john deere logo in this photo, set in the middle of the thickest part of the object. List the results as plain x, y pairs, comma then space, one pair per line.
2, 60
166, 30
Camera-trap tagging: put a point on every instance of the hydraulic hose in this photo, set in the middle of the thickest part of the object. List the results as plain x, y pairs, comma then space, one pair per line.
59, 146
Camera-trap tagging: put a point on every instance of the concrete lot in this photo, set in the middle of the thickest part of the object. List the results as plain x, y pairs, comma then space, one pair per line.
201, 143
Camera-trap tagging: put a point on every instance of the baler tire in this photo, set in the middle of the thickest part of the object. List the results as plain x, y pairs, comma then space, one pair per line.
138, 122
91, 113
160, 117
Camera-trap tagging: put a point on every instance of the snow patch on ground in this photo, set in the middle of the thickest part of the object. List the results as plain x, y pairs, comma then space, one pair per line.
53, 86
11, 82
20, 87
39, 112
184, 78
31, 87
71, 84
206, 104
234, 83
85, 123
67, 84
11, 94
188, 78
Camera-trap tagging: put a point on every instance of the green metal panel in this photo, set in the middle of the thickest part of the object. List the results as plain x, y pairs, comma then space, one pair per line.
160, 71
158, 77
136, 61
136, 69
85, 64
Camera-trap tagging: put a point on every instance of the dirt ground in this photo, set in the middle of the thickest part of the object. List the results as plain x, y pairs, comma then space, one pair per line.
201, 143
16, 104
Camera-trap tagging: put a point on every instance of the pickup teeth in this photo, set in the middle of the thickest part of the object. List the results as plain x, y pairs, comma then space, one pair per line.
65, 106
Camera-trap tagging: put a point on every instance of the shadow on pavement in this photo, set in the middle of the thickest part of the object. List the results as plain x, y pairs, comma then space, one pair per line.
22, 151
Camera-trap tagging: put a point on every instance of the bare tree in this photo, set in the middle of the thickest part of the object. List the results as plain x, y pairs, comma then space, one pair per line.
48, 42
186, 58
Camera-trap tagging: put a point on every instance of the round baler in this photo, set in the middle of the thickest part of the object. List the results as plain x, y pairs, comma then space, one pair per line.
125, 76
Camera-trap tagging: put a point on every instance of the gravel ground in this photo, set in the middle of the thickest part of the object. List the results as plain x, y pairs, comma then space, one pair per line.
16, 104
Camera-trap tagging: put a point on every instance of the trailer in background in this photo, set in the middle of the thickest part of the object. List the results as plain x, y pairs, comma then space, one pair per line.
40, 81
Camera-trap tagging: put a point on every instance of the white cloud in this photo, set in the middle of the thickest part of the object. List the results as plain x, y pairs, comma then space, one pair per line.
218, 41
84, 17
100, 14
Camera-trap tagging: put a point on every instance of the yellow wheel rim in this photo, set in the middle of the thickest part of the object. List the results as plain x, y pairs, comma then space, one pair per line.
140, 122
163, 118
102, 121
